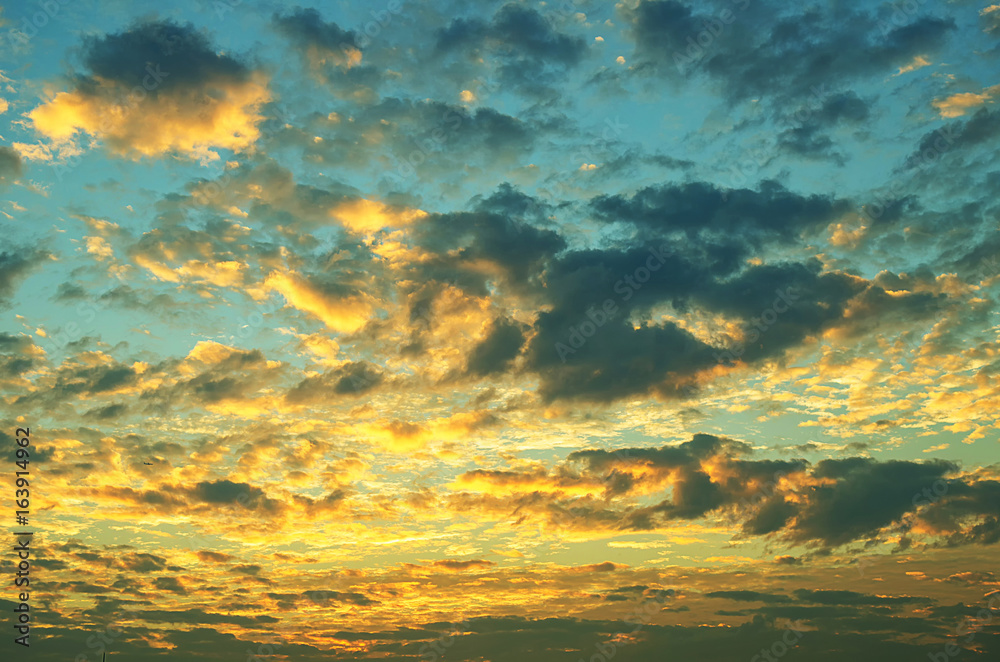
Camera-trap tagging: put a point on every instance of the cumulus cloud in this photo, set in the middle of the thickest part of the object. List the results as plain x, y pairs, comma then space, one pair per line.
830, 504
154, 89
785, 58
338, 307
322, 43
532, 53
960, 103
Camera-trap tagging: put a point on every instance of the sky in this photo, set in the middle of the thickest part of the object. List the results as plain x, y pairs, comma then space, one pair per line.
494, 331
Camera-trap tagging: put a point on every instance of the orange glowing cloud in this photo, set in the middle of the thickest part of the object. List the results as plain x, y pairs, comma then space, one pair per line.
340, 313
189, 124
368, 216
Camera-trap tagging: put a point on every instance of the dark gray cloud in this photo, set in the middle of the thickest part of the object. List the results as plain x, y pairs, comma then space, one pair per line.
199, 616
422, 139
810, 135
331, 52
181, 51
749, 596
14, 266
500, 347
532, 55
519, 249
578, 358
831, 633
841, 597
618, 361
10, 165
326, 597
808, 141
15, 355
865, 496
73, 381
955, 137
306, 28
108, 413
841, 502
978, 263
760, 51
686, 246
701, 209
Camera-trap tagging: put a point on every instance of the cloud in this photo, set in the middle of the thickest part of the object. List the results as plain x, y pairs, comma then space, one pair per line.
749, 596
498, 349
204, 498
322, 43
10, 165
841, 597
810, 138
15, 265
340, 308
792, 502
532, 54
752, 54
491, 233
18, 355
213, 557
196, 616
451, 565
989, 18
980, 129
368, 216
698, 209
201, 100
959, 104
631, 316
349, 379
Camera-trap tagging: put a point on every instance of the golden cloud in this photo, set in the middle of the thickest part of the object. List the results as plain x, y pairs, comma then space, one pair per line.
133, 123
958, 104
340, 313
